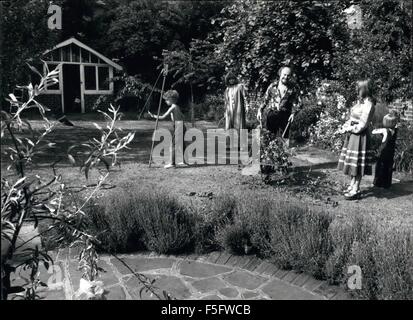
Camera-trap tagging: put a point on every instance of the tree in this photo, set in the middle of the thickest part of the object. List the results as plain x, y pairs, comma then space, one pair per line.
257, 37
25, 37
139, 31
381, 49
197, 67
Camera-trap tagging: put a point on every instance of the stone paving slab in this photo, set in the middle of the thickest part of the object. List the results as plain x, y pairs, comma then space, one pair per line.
245, 279
237, 277
140, 264
201, 270
280, 290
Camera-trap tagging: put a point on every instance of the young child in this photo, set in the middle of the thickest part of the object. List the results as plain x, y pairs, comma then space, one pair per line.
177, 147
384, 166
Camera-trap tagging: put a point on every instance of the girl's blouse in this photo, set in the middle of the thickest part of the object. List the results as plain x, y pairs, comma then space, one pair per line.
361, 113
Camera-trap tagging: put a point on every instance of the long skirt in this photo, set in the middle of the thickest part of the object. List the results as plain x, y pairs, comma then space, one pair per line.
356, 156
235, 117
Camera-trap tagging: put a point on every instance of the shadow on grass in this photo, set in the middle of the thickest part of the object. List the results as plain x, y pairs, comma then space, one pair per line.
395, 191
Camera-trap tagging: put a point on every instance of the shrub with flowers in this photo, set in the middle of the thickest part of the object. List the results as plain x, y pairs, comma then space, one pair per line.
275, 155
326, 133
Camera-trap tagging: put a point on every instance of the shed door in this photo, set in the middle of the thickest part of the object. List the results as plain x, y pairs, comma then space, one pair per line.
71, 88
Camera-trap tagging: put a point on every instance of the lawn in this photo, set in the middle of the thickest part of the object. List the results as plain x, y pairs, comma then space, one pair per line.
321, 188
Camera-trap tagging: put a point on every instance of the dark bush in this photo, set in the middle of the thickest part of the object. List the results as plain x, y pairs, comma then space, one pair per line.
256, 214
220, 214
403, 159
234, 238
300, 238
132, 219
304, 119
211, 109
113, 217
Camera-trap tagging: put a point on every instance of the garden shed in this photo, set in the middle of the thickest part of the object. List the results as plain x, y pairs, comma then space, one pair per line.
85, 75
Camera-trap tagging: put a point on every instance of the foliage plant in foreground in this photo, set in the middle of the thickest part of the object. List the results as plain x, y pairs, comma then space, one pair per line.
292, 235
28, 199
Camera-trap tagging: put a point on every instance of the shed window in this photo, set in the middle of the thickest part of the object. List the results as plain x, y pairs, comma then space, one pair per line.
85, 56
90, 77
75, 53
103, 76
66, 53
94, 58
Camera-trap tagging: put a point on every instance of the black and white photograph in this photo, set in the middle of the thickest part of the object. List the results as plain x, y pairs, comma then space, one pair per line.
207, 157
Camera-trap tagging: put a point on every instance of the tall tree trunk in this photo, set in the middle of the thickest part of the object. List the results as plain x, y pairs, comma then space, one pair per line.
192, 106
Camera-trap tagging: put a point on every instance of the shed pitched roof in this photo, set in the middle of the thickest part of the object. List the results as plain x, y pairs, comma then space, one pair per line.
84, 46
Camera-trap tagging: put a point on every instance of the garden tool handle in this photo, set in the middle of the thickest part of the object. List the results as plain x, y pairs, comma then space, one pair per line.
286, 128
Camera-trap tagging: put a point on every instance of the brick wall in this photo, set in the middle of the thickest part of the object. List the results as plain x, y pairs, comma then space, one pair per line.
398, 105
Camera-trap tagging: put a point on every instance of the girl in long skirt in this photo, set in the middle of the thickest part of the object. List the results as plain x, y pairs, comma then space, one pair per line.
236, 105
356, 156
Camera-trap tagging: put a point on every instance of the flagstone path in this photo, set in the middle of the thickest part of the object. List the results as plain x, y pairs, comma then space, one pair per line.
216, 276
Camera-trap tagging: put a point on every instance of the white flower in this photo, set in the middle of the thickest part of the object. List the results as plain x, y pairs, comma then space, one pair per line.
91, 289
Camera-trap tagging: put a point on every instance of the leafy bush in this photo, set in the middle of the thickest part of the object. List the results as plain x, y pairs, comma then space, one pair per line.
305, 119
254, 103
256, 213
403, 159
235, 238
221, 213
380, 49
134, 218
325, 132
116, 222
212, 108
